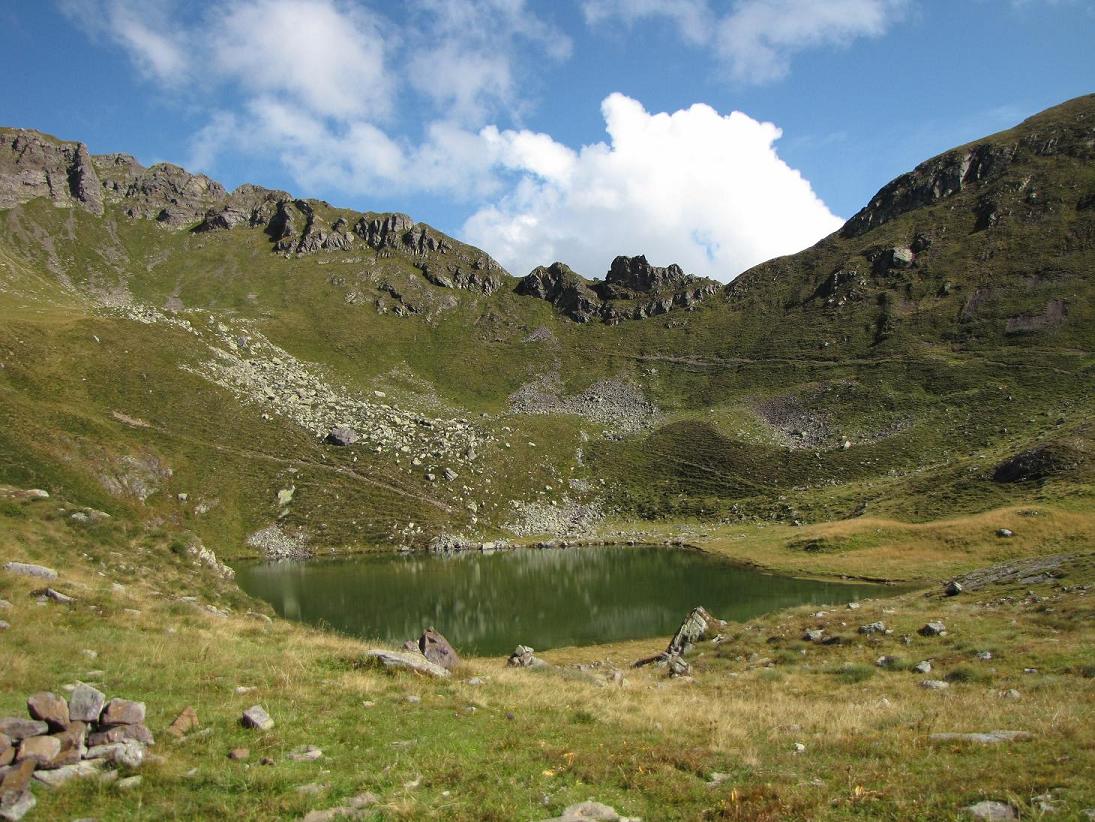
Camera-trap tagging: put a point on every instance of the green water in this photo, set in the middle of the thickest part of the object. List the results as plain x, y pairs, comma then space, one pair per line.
487, 604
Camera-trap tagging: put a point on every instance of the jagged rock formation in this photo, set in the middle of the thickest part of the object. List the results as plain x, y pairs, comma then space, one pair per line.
633, 289
33, 165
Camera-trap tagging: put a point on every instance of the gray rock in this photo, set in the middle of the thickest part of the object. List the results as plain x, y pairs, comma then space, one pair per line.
79, 770
14, 805
402, 661
991, 809
1005, 533
677, 666
588, 812
56, 596
16, 728
449, 475
934, 684
953, 589
524, 657
697, 626
873, 628
342, 437
85, 703
886, 661
122, 712
986, 738
4, 625
128, 783
27, 569
305, 753
933, 629
256, 717
438, 650
129, 753
813, 635
923, 667
120, 733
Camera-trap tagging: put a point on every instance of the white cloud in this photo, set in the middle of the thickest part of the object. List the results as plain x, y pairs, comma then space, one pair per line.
139, 28
757, 39
693, 18
464, 54
326, 57
694, 187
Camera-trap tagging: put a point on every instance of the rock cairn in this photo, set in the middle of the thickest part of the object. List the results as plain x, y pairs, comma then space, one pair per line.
83, 736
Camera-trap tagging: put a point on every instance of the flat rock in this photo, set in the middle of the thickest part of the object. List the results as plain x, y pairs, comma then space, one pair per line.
85, 703
305, 753
73, 744
120, 733
49, 708
983, 738
129, 753
122, 712
186, 721
56, 596
79, 770
18, 777
39, 749
588, 812
16, 728
402, 661
28, 569
14, 805
128, 783
991, 809
935, 684
257, 718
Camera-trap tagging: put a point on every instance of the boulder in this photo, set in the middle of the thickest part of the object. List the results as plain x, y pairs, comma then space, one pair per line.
697, 626
39, 749
73, 744
120, 733
85, 703
49, 708
873, 628
437, 649
16, 728
7, 750
933, 629
402, 661
185, 722
588, 811
991, 809
78, 770
524, 657
256, 717
122, 712
985, 738
341, 437
27, 569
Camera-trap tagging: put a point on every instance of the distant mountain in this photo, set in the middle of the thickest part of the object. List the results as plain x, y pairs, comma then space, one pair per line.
281, 375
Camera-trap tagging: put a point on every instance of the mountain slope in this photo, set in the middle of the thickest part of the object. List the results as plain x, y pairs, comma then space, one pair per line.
177, 353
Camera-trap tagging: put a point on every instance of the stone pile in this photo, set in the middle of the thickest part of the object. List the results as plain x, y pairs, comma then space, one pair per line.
83, 736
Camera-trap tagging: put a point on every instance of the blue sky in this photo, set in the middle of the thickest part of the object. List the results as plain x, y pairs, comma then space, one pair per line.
714, 133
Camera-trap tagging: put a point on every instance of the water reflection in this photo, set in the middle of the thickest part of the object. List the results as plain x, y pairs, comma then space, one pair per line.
486, 604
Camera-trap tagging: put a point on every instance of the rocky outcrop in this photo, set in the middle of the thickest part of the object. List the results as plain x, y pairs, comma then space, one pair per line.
567, 290
632, 290
164, 192
34, 165
248, 205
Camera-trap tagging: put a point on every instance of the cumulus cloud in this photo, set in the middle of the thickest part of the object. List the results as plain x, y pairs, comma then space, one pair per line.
705, 190
757, 39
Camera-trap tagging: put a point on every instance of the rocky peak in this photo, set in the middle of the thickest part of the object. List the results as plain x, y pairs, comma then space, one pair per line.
639, 275
34, 165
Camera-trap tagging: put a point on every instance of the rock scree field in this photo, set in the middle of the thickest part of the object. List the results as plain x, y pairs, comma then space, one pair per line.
191, 377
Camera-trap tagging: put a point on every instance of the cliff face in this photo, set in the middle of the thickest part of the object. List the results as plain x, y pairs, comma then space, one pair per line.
33, 165
633, 289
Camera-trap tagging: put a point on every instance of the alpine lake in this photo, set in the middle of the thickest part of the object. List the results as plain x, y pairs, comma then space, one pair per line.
487, 603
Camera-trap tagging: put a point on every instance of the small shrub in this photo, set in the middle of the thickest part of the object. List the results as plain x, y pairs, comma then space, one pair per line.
964, 673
